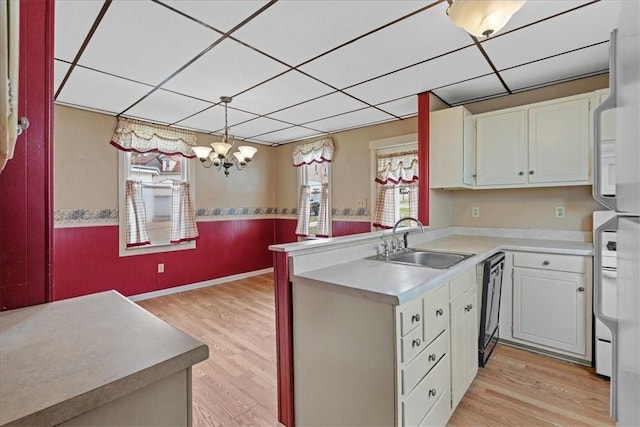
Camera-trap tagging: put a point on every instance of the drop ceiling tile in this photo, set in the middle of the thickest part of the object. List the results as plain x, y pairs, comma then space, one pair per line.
257, 127
585, 26
564, 67
145, 41
422, 36
59, 71
225, 70
222, 15
212, 120
403, 107
461, 65
354, 119
533, 11
166, 107
477, 88
319, 108
284, 91
290, 134
295, 31
73, 22
99, 91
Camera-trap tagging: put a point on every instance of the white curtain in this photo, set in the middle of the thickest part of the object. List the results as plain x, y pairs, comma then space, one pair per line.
396, 168
136, 215
322, 229
317, 151
384, 216
413, 200
144, 137
183, 218
304, 208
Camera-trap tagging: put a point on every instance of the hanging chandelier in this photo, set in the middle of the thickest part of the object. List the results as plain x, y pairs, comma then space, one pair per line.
482, 18
219, 155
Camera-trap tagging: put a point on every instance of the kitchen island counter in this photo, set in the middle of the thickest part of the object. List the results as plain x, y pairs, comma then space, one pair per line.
61, 360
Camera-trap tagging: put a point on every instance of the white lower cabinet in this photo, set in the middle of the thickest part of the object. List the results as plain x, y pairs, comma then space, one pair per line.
360, 362
547, 301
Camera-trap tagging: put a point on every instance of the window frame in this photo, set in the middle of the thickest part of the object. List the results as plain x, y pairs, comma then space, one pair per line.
124, 167
401, 143
303, 180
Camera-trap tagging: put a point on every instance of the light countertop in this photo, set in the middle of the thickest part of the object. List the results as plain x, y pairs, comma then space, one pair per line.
396, 283
62, 359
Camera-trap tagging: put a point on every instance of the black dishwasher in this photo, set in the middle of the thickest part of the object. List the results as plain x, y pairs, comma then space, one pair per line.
490, 310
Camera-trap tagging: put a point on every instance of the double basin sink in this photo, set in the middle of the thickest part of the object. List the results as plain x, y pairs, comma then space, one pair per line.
431, 259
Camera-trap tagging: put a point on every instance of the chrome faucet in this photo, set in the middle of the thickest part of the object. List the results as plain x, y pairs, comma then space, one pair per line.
406, 234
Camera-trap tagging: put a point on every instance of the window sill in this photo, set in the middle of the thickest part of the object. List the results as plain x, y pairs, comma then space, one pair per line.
155, 249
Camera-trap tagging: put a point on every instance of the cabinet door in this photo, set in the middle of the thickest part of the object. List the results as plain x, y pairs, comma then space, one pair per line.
464, 343
501, 149
550, 308
559, 142
451, 148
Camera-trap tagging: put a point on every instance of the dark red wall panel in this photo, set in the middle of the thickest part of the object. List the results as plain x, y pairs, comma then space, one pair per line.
345, 228
87, 259
26, 181
423, 157
285, 230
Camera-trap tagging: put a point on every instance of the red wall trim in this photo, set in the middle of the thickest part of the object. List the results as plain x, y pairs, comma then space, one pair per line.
423, 157
87, 259
285, 230
345, 228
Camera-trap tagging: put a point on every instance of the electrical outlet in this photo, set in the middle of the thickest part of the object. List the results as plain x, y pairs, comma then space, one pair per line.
160, 268
560, 212
361, 203
475, 212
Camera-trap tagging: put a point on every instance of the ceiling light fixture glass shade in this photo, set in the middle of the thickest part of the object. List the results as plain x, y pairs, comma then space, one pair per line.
483, 18
219, 154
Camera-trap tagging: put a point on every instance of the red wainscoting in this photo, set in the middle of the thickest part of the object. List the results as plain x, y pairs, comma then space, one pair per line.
345, 228
86, 259
285, 230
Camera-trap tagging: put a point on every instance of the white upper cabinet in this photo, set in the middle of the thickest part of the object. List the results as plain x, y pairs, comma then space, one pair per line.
502, 148
452, 149
559, 142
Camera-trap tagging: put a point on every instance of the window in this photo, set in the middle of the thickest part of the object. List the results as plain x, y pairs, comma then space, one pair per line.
155, 199
394, 164
314, 181
313, 160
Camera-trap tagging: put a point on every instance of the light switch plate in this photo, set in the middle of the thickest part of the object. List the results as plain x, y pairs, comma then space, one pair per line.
361, 203
475, 212
560, 213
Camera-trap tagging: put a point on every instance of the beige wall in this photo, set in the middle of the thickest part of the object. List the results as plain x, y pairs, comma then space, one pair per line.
86, 168
526, 208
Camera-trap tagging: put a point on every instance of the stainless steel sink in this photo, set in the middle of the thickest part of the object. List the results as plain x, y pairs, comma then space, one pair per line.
439, 260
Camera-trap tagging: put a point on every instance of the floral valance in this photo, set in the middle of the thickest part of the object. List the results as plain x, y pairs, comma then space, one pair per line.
318, 151
145, 137
396, 168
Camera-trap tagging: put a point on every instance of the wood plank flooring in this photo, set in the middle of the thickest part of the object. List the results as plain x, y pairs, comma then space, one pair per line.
236, 386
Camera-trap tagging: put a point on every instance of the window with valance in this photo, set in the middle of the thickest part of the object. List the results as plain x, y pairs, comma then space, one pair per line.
313, 160
397, 197
156, 204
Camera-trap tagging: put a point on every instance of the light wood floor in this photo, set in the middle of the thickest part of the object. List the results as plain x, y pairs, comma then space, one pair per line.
236, 386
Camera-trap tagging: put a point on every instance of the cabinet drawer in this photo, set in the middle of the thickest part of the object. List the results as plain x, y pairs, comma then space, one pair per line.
439, 413
462, 283
418, 368
411, 345
426, 393
410, 317
571, 263
436, 313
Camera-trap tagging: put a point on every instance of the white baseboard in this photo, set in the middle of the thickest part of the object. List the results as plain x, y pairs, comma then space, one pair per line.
204, 284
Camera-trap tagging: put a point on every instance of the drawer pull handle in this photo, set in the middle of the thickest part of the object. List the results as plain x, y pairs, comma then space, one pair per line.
432, 357
531, 172
580, 289
415, 318
545, 262
432, 392
439, 312
521, 173
416, 343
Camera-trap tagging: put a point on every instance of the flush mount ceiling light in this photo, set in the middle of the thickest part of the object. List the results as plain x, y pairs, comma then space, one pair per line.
219, 155
482, 18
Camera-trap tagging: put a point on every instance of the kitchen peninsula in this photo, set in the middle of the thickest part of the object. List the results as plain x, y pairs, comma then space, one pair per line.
377, 343
94, 360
